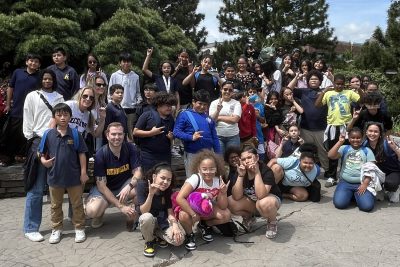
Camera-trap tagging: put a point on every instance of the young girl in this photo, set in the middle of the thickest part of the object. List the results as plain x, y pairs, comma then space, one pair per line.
271, 78
286, 69
182, 70
243, 75
300, 80
291, 109
202, 79
273, 118
289, 143
157, 221
353, 157
208, 169
88, 78
296, 176
255, 100
164, 81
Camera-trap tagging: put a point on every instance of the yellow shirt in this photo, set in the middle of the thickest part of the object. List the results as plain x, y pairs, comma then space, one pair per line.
339, 106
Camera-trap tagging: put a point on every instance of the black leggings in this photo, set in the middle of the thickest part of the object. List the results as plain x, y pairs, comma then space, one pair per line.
392, 181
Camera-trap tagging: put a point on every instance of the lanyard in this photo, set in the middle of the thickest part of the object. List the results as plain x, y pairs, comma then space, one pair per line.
167, 83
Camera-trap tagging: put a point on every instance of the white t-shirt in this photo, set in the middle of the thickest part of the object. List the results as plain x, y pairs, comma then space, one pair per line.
229, 108
79, 119
50, 97
203, 187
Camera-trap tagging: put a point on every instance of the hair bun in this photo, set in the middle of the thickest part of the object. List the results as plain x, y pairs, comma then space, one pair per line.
308, 147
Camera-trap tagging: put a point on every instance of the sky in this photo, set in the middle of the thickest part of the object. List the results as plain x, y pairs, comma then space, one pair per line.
352, 20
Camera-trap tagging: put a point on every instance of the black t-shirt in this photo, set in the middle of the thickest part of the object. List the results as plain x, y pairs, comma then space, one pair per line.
313, 118
207, 82
268, 179
185, 91
160, 204
381, 117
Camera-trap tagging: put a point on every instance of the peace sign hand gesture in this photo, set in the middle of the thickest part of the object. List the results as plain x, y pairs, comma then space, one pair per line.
223, 188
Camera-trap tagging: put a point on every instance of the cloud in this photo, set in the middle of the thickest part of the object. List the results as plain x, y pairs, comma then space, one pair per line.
354, 32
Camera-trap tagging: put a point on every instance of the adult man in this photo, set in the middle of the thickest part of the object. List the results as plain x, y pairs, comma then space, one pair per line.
22, 82
196, 129
117, 168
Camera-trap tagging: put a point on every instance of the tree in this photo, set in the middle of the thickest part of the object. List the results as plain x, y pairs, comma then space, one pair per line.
182, 13
289, 23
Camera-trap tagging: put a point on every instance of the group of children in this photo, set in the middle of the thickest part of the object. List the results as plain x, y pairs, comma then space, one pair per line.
268, 110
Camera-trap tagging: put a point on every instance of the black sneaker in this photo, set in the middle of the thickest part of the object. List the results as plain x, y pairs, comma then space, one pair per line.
190, 242
149, 250
161, 242
206, 232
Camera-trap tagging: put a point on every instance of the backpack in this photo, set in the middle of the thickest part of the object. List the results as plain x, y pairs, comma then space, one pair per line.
75, 137
215, 79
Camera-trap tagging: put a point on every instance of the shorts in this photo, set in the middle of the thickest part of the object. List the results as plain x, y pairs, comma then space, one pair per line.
94, 191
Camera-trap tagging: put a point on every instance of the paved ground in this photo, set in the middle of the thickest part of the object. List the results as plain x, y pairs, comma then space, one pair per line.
310, 234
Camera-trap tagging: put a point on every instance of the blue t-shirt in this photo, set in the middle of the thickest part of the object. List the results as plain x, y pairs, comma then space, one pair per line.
115, 113
313, 118
66, 169
293, 175
350, 170
260, 134
67, 81
22, 83
117, 170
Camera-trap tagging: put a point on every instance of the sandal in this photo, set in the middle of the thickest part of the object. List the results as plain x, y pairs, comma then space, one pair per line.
272, 230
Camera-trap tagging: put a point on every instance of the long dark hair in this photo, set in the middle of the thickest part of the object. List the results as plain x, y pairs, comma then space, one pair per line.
379, 149
156, 170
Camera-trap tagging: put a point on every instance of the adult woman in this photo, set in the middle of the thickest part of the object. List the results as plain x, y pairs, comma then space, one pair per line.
207, 167
286, 69
100, 97
296, 176
387, 155
245, 77
157, 221
88, 78
226, 112
82, 118
254, 191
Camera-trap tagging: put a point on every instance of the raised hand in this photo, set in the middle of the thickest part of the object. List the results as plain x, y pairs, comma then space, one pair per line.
149, 51
223, 188
157, 130
153, 188
197, 135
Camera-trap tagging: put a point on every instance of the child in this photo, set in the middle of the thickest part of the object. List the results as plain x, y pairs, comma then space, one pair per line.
164, 81
157, 221
338, 102
154, 131
182, 70
202, 79
291, 110
230, 75
207, 167
150, 90
66, 170
353, 157
289, 143
131, 94
273, 118
114, 111
255, 100
67, 78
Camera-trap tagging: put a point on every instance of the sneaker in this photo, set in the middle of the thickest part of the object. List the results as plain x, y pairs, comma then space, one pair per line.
190, 242
394, 196
149, 250
175, 154
97, 222
91, 159
330, 182
249, 222
80, 236
161, 242
272, 230
206, 232
55, 236
34, 236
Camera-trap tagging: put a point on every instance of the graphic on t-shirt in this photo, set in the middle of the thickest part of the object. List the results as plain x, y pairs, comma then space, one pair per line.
231, 109
354, 160
299, 179
250, 192
341, 101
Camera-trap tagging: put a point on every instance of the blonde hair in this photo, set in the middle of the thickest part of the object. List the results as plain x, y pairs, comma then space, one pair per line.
78, 96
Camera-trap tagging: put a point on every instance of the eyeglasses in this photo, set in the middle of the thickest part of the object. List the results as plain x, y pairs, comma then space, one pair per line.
100, 84
92, 62
90, 97
227, 90
210, 170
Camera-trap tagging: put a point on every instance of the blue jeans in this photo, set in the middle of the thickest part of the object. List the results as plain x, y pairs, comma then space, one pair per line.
34, 202
228, 141
344, 193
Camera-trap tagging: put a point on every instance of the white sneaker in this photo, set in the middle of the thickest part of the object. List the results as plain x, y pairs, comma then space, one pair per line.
55, 236
394, 197
80, 236
34, 236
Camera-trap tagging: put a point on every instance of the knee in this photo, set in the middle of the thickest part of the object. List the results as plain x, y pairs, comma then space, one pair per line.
146, 218
184, 217
301, 196
225, 215
366, 205
339, 203
95, 208
268, 204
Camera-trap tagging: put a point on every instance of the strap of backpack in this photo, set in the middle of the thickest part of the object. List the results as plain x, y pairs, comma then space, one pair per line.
75, 137
345, 150
45, 101
192, 120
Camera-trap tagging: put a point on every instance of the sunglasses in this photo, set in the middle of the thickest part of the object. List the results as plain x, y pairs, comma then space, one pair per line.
227, 90
90, 97
100, 84
92, 62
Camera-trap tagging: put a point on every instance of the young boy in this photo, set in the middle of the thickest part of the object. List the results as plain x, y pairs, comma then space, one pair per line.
338, 102
247, 122
62, 151
154, 131
114, 111
130, 82
67, 78
22, 82
150, 90
289, 143
230, 75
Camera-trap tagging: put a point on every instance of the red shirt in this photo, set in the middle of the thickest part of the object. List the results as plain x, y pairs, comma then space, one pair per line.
247, 122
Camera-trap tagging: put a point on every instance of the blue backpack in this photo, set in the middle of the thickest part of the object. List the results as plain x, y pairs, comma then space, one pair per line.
75, 137
215, 79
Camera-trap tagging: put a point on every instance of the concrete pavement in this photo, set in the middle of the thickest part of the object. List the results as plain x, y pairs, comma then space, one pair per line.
310, 234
